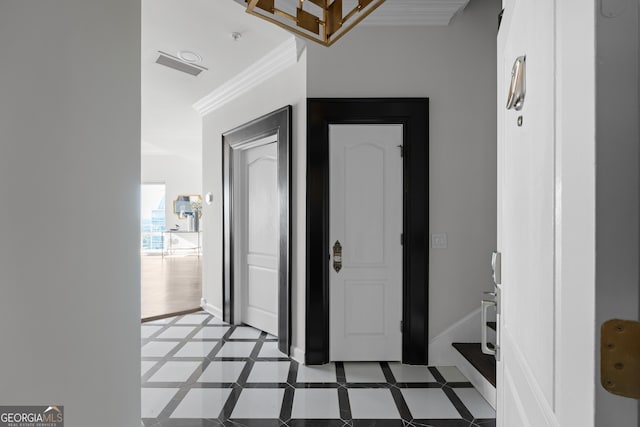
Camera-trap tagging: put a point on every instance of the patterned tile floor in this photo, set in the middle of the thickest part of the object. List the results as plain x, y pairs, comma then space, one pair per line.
199, 371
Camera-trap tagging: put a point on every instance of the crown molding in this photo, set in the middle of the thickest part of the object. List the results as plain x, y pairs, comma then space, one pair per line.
280, 58
415, 12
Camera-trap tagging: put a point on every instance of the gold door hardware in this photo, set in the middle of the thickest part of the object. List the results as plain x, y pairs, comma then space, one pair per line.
620, 357
337, 256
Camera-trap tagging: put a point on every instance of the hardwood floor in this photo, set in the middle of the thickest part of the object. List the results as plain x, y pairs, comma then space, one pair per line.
170, 285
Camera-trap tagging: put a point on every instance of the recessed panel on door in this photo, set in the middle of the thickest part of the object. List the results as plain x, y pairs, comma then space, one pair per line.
364, 204
369, 296
366, 207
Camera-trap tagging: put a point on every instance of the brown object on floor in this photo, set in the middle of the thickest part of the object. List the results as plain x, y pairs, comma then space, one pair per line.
170, 284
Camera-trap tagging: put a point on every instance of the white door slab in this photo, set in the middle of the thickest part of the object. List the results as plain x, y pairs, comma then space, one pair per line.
258, 236
366, 208
526, 219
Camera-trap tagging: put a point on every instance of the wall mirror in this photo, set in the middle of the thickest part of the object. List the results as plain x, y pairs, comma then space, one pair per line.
183, 205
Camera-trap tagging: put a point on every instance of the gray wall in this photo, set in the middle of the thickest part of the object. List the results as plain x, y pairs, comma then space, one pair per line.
455, 67
617, 203
69, 207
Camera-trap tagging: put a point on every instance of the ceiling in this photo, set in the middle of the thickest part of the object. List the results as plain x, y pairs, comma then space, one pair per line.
170, 126
169, 123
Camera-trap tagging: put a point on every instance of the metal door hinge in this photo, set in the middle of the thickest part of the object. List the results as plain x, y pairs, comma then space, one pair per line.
401, 147
620, 357
613, 8
401, 326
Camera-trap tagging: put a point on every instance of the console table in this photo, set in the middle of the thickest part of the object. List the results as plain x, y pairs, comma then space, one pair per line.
171, 233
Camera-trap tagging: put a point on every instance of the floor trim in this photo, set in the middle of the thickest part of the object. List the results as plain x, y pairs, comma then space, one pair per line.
211, 309
177, 313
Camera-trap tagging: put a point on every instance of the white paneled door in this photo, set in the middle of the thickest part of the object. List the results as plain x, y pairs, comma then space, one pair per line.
258, 236
366, 208
526, 219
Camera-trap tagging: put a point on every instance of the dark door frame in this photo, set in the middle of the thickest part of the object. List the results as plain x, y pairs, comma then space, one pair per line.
276, 123
413, 114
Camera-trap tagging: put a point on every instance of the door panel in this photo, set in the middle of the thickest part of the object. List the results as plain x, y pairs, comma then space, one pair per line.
363, 205
369, 297
260, 237
526, 218
366, 210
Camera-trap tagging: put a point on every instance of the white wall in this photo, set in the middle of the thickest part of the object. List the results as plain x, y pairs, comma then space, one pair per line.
617, 209
455, 67
181, 175
286, 88
69, 192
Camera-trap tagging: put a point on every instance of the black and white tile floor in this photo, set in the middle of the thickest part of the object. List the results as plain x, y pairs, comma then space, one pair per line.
199, 371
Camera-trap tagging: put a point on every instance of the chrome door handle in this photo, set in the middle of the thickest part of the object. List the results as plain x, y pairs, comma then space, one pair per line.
518, 86
485, 304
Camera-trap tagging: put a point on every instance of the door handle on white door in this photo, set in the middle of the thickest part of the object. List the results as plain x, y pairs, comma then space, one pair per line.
496, 267
485, 304
518, 86
337, 256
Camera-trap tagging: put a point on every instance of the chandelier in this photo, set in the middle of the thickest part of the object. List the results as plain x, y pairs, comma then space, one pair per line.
323, 21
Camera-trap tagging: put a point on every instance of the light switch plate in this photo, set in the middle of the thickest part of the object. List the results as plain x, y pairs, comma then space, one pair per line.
208, 198
439, 241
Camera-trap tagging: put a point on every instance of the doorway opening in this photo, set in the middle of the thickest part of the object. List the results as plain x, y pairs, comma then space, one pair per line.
171, 278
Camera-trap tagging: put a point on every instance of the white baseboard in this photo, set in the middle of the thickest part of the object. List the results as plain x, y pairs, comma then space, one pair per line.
297, 354
210, 308
467, 329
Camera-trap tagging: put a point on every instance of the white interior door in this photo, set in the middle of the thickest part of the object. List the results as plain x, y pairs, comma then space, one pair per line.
258, 236
526, 219
366, 208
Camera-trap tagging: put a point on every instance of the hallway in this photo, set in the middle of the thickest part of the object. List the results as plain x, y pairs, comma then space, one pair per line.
199, 371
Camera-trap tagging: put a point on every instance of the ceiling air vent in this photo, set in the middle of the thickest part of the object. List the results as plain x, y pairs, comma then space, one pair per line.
177, 64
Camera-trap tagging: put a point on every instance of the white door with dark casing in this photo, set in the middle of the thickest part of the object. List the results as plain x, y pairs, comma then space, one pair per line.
258, 235
366, 210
